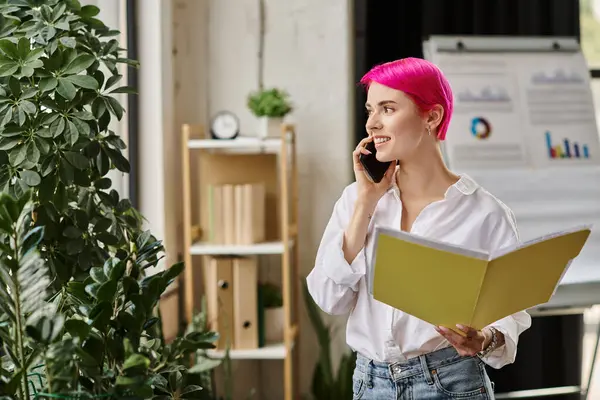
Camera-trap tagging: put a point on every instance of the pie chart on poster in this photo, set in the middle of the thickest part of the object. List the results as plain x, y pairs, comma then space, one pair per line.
481, 128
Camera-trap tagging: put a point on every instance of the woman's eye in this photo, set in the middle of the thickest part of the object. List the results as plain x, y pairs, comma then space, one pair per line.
369, 112
388, 109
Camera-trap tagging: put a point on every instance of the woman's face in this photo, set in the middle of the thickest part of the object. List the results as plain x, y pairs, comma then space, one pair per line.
395, 123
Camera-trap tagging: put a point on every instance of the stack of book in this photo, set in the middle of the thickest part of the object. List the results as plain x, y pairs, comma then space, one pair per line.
236, 213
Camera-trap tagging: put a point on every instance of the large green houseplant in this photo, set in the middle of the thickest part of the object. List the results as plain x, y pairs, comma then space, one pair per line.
78, 313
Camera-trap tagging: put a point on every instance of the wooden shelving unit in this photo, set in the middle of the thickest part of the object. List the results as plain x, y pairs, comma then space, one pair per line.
207, 156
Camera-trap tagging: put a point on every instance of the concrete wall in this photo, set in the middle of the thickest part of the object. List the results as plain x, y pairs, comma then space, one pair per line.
213, 44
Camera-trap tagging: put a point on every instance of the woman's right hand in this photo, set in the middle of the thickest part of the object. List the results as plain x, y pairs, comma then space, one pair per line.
369, 191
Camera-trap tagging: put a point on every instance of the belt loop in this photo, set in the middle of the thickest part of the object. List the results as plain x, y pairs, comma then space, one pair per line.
425, 369
368, 375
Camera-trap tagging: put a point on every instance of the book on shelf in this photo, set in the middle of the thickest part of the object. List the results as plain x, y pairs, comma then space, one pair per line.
236, 213
234, 302
446, 284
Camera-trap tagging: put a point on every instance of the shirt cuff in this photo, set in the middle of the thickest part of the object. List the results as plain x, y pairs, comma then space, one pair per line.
336, 268
506, 353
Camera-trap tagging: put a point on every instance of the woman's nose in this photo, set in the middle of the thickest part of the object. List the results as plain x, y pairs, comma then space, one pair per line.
373, 122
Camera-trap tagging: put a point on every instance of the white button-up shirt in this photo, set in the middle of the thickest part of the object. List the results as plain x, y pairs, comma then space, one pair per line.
468, 216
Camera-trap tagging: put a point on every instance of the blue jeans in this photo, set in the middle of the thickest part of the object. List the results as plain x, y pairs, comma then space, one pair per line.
442, 374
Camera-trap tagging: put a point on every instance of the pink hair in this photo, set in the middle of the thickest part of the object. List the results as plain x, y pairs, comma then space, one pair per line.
421, 80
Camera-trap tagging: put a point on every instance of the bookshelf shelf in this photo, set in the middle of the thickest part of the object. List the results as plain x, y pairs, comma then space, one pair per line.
237, 249
241, 143
276, 351
243, 190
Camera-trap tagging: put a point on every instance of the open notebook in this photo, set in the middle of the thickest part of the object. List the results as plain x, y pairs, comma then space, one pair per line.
446, 285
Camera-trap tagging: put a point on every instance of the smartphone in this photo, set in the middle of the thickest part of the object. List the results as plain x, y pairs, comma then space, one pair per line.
374, 168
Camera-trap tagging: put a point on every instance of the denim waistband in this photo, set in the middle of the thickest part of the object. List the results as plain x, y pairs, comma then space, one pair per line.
410, 367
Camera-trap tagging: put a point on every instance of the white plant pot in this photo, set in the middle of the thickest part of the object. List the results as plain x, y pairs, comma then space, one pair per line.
269, 127
274, 325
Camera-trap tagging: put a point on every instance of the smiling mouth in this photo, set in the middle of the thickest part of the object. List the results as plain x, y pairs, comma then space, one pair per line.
380, 140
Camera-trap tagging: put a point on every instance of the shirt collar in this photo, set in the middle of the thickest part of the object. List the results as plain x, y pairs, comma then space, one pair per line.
465, 185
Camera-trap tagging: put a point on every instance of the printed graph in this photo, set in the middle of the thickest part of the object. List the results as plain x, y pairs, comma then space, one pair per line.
566, 149
487, 94
558, 76
480, 128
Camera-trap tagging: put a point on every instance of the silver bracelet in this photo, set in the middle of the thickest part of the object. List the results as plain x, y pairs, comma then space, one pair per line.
491, 346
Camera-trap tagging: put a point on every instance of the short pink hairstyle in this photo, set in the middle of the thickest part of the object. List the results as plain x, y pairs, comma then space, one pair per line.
421, 80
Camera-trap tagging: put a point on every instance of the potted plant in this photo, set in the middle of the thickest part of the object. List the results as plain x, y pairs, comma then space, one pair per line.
78, 313
270, 106
272, 303
326, 382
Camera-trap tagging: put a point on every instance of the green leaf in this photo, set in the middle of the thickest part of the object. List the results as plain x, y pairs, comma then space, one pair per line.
66, 89
190, 391
72, 133
107, 291
103, 162
8, 68
102, 224
77, 160
48, 84
84, 81
23, 47
89, 11
98, 107
84, 115
125, 89
107, 238
33, 153
28, 93
118, 160
31, 178
103, 183
46, 189
34, 55
136, 362
57, 127
174, 271
43, 145
79, 64
68, 41
75, 246
21, 115
110, 82
9, 143
17, 155
9, 49
28, 107
65, 172
114, 106
77, 327
72, 232
82, 127
97, 275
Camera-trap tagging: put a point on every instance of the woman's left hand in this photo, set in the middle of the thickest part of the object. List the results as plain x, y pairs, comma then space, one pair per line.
469, 345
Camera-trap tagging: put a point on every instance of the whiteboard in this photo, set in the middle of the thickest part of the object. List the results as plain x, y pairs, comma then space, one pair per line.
524, 127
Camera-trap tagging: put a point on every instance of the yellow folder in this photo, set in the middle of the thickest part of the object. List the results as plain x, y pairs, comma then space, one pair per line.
446, 285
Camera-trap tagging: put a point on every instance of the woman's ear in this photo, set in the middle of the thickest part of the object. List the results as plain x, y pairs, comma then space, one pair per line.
435, 116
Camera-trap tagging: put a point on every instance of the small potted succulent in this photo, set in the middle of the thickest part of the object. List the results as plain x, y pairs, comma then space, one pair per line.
270, 106
273, 312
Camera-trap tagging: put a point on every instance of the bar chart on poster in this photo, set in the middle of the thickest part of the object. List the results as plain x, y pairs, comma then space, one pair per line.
517, 109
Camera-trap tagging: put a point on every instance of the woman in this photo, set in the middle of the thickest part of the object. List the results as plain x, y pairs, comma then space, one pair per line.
409, 106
